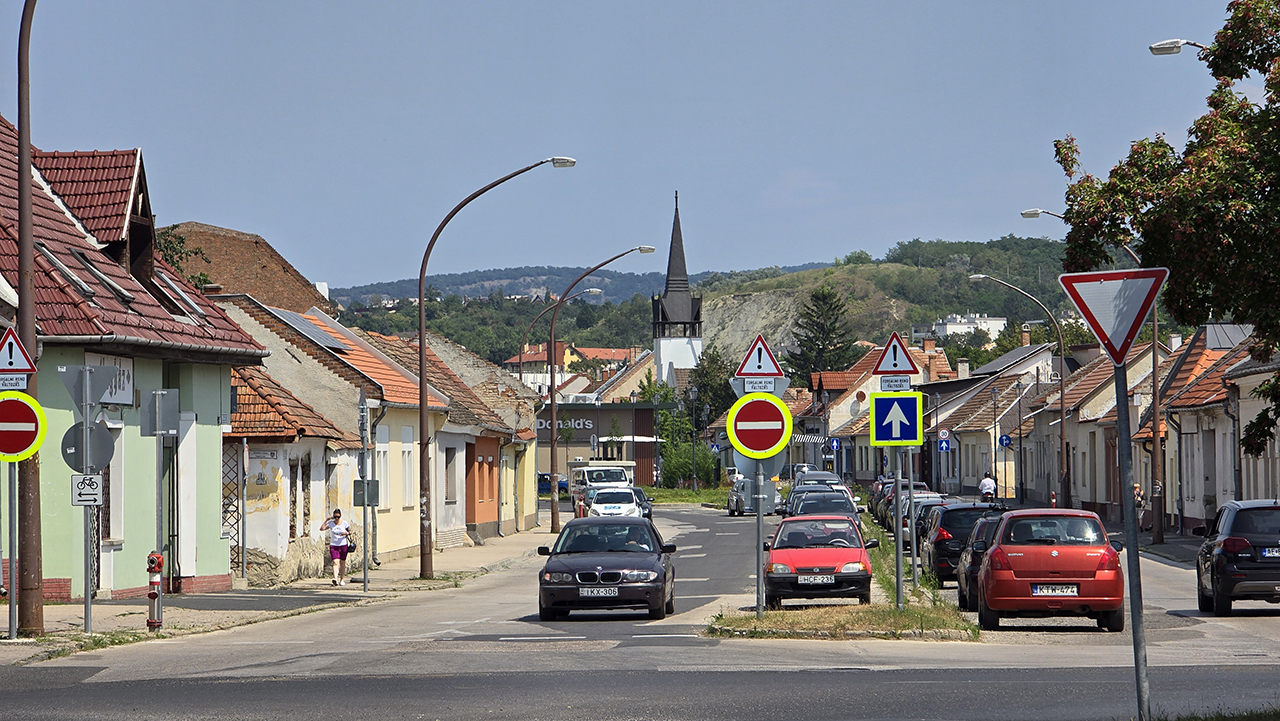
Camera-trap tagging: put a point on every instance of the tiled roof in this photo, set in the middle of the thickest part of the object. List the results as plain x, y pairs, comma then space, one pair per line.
616, 355
395, 387
65, 309
538, 354
1208, 387
1144, 431
977, 414
265, 409
95, 185
464, 407
1081, 384
1010, 358
246, 263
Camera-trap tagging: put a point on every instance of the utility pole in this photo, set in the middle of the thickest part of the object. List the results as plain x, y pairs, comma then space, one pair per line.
31, 570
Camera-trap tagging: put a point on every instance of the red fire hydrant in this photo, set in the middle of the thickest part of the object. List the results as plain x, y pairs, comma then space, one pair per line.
155, 609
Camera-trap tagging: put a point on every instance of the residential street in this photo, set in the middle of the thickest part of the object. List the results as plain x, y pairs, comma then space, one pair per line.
426, 654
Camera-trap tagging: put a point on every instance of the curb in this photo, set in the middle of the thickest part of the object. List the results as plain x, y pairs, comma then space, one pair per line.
1158, 551
710, 505
940, 634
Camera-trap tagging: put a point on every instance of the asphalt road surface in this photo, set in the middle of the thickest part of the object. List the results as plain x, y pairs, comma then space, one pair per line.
480, 652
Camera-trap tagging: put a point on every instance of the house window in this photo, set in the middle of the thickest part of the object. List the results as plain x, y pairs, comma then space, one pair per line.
408, 475
293, 498
121, 294
72, 278
382, 465
450, 470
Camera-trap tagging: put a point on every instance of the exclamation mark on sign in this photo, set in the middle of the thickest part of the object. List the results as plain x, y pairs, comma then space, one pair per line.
759, 358
895, 355
10, 347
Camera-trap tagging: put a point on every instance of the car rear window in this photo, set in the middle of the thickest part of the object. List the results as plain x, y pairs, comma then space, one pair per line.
961, 520
1056, 530
832, 504
1256, 520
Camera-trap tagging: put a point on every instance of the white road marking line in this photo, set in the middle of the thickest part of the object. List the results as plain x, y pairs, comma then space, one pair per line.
710, 595
665, 635
692, 579
693, 555
541, 638
735, 533
689, 548
267, 643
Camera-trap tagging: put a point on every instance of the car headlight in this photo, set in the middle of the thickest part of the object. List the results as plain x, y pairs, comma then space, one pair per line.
639, 576
593, 512
555, 577
779, 568
851, 568
633, 511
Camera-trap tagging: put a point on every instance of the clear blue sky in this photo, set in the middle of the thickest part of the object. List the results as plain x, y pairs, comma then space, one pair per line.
795, 132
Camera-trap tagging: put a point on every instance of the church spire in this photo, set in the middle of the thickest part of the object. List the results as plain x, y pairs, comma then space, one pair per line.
677, 273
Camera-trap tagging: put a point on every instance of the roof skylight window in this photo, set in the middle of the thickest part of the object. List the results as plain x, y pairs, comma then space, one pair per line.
120, 293
177, 289
62, 268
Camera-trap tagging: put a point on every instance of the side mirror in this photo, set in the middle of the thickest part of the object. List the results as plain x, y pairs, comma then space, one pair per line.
669, 548
766, 545
1199, 531
980, 546
1117, 545
857, 499
873, 543
544, 551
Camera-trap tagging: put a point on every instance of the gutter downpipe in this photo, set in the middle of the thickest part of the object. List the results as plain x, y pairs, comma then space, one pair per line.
373, 526
1237, 475
1168, 419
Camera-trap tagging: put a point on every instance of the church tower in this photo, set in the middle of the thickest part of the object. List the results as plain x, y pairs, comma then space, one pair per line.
677, 314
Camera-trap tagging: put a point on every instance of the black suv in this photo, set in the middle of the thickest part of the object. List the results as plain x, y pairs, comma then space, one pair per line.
943, 538
1240, 557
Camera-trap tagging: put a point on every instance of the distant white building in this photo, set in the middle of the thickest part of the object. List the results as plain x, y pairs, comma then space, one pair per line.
959, 325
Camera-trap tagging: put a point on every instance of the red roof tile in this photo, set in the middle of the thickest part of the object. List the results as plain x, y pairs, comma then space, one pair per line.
395, 387
265, 409
95, 185
1208, 387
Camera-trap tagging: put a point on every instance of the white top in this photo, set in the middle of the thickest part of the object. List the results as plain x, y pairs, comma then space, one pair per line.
337, 532
986, 485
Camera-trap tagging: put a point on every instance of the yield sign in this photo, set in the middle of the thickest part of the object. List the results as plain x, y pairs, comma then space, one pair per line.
895, 359
759, 362
13, 357
22, 426
759, 425
1114, 303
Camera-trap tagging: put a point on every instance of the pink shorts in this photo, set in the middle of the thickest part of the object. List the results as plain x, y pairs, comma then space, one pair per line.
338, 553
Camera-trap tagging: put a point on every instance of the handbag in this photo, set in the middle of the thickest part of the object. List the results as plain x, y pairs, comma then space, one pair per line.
351, 544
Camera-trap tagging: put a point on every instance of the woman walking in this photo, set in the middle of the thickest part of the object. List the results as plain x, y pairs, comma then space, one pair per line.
338, 545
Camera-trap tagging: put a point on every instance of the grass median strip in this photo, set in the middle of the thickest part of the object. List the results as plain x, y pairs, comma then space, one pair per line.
717, 496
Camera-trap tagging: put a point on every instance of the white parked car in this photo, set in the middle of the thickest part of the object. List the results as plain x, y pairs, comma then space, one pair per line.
611, 502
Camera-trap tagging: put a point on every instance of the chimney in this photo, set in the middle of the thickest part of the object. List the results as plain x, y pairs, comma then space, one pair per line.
930, 345
211, 289
962, 368
1175, 341
1026, 335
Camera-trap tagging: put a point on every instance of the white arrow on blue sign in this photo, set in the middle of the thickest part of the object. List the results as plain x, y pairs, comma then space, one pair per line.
896, 419
835, 444
944, 446
1005, 441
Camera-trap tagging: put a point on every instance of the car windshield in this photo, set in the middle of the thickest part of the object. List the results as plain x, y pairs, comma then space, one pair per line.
1054, 530
606, 537
803, 533
1256, 520
961, 520
607, 497
826, 504
606, 475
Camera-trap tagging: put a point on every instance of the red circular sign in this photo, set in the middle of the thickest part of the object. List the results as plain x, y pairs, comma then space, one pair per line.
19, 426
759, 425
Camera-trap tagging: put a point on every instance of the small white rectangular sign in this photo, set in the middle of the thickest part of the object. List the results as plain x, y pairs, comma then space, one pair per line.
86, 490
13, 381
895, 383
758, 385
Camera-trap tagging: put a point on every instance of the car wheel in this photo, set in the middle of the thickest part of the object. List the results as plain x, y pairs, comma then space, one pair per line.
1113, 621
658, 613
546, 614
1204, 601
988, 619
772, 603
1221, 602
865, 599
671, 604
972, 598
962, 599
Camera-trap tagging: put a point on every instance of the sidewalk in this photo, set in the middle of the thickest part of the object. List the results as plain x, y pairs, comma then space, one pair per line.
123, 621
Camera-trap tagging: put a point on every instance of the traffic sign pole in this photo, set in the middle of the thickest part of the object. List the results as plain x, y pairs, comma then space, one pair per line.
1125, 453
13, 550
897, 530
86, 405
759, 540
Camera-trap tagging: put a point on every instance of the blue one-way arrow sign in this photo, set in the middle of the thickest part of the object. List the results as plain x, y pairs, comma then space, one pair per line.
897, 419
944, 446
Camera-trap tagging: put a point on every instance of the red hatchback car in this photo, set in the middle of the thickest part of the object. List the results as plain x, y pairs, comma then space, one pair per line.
817, 556
1051, 562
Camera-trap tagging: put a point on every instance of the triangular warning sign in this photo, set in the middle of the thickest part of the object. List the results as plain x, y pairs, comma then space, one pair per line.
895, 359
759, 362
1114, 303
13, 357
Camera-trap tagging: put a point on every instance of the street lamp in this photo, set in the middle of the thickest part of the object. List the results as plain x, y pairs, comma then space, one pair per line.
1157, 446
826, 430
634, 397
596, 450
1062, 383
426, 569
1037, 212
1022, 478
525, 340
551, 349
1172, 47
693, 439
995, 428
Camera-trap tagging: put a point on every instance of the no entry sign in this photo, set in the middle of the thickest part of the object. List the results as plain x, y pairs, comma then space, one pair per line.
22, 426
759, 425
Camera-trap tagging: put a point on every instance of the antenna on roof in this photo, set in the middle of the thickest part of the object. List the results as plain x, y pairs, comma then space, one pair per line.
677, 200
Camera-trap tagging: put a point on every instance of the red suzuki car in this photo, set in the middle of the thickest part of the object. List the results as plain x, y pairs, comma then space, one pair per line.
818, 556
1051, 562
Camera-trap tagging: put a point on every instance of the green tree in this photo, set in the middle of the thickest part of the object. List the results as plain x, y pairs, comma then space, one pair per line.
615, 431
173, 250
1206, 212
824, 338
711, 375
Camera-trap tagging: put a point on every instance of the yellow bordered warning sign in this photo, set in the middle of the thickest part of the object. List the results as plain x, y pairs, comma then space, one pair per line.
759, 425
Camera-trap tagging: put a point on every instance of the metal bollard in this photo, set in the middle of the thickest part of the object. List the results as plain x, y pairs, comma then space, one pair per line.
155, 611
1053, 499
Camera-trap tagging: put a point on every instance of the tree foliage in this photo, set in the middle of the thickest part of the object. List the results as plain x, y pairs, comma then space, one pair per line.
173, 250
1207, 212
824, 339
711, 376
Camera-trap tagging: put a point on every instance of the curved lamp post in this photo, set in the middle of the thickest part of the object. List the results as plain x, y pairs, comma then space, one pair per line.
525, 340
1157, 445
426, 569
1062, 382
551, 369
